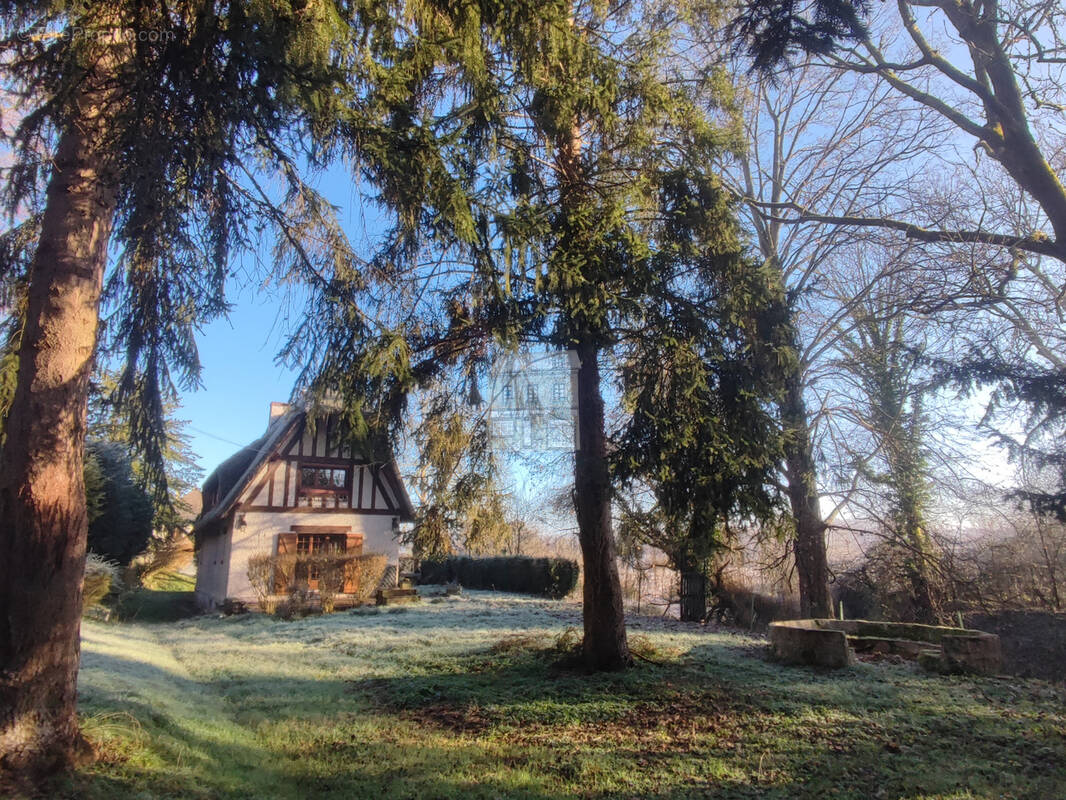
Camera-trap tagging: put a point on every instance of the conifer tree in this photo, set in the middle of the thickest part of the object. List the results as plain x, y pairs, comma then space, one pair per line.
700, 383
460, 502
527, 152
146, 122
108, 422
120, 511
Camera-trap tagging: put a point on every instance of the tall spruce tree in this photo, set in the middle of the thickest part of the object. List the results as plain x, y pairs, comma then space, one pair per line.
108, 421
146, 121
528, 153
120, 511
699, 385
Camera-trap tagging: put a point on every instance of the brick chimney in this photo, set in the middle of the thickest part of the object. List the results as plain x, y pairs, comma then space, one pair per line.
277, 409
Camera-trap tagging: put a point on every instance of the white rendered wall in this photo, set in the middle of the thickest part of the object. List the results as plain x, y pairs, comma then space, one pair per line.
259, 534
212, 570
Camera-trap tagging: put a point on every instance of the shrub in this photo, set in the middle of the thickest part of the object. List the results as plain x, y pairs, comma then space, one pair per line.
232, 606
548, 577
855, 589
299, 604
331, 574
366, 572
149, 605
261, 576
272, 574
284, 572
101, 576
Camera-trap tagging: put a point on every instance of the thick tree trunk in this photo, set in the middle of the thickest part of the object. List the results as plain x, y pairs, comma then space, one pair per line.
693, 595
924, 606
812, 566
605, 645
1008, 134
43, 520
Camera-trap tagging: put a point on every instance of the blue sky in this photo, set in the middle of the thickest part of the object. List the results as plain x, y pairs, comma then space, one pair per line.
240, 377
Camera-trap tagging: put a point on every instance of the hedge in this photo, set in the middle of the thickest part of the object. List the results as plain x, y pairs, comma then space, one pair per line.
549, 577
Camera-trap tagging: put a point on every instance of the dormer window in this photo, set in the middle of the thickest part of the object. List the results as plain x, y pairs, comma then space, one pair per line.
324, 486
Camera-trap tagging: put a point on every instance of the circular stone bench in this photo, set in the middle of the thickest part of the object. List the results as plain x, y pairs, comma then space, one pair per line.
834, 642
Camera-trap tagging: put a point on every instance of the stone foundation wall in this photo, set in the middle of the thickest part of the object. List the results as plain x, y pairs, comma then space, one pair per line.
832, 643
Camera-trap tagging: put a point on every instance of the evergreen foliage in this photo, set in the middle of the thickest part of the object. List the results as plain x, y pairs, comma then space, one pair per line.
1039, 392
461, 505
120, 511
159, 130
775, 30
109, 421
699, 386
460, 133
219, 100
538, 161
549, 577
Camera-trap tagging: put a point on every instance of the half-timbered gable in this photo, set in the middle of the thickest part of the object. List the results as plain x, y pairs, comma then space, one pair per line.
300, 488
314, 471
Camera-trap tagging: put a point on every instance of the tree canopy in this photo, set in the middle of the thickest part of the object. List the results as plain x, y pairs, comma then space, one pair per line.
120, 511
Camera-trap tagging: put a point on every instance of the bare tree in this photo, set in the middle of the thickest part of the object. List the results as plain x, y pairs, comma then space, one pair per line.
994, 71
814, 139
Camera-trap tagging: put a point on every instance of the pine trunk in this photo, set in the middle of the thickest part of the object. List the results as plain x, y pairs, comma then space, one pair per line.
605, 645
812, 566
693, 595
42, 494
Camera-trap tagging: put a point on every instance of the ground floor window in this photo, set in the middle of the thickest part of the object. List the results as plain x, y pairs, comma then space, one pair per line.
308, 543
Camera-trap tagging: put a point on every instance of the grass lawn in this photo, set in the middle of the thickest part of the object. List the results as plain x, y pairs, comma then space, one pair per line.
466, 698
171, 581
155, 605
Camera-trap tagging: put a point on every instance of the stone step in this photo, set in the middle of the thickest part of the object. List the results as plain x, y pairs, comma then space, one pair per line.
392, 596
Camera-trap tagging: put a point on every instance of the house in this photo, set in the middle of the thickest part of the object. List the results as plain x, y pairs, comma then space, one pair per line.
296, 489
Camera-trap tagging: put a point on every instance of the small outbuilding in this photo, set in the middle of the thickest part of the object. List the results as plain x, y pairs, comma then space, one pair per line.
297, 489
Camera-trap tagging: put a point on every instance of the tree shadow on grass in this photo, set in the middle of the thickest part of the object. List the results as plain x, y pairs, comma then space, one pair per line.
770, 731
358, 769
512, 723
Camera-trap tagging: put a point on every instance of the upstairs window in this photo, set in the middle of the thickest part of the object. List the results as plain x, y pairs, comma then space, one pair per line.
324, 487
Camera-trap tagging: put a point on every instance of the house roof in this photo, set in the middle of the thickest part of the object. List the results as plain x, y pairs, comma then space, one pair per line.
224, 486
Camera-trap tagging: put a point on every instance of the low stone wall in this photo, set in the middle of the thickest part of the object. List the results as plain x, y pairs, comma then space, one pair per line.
833, 643
797, 642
